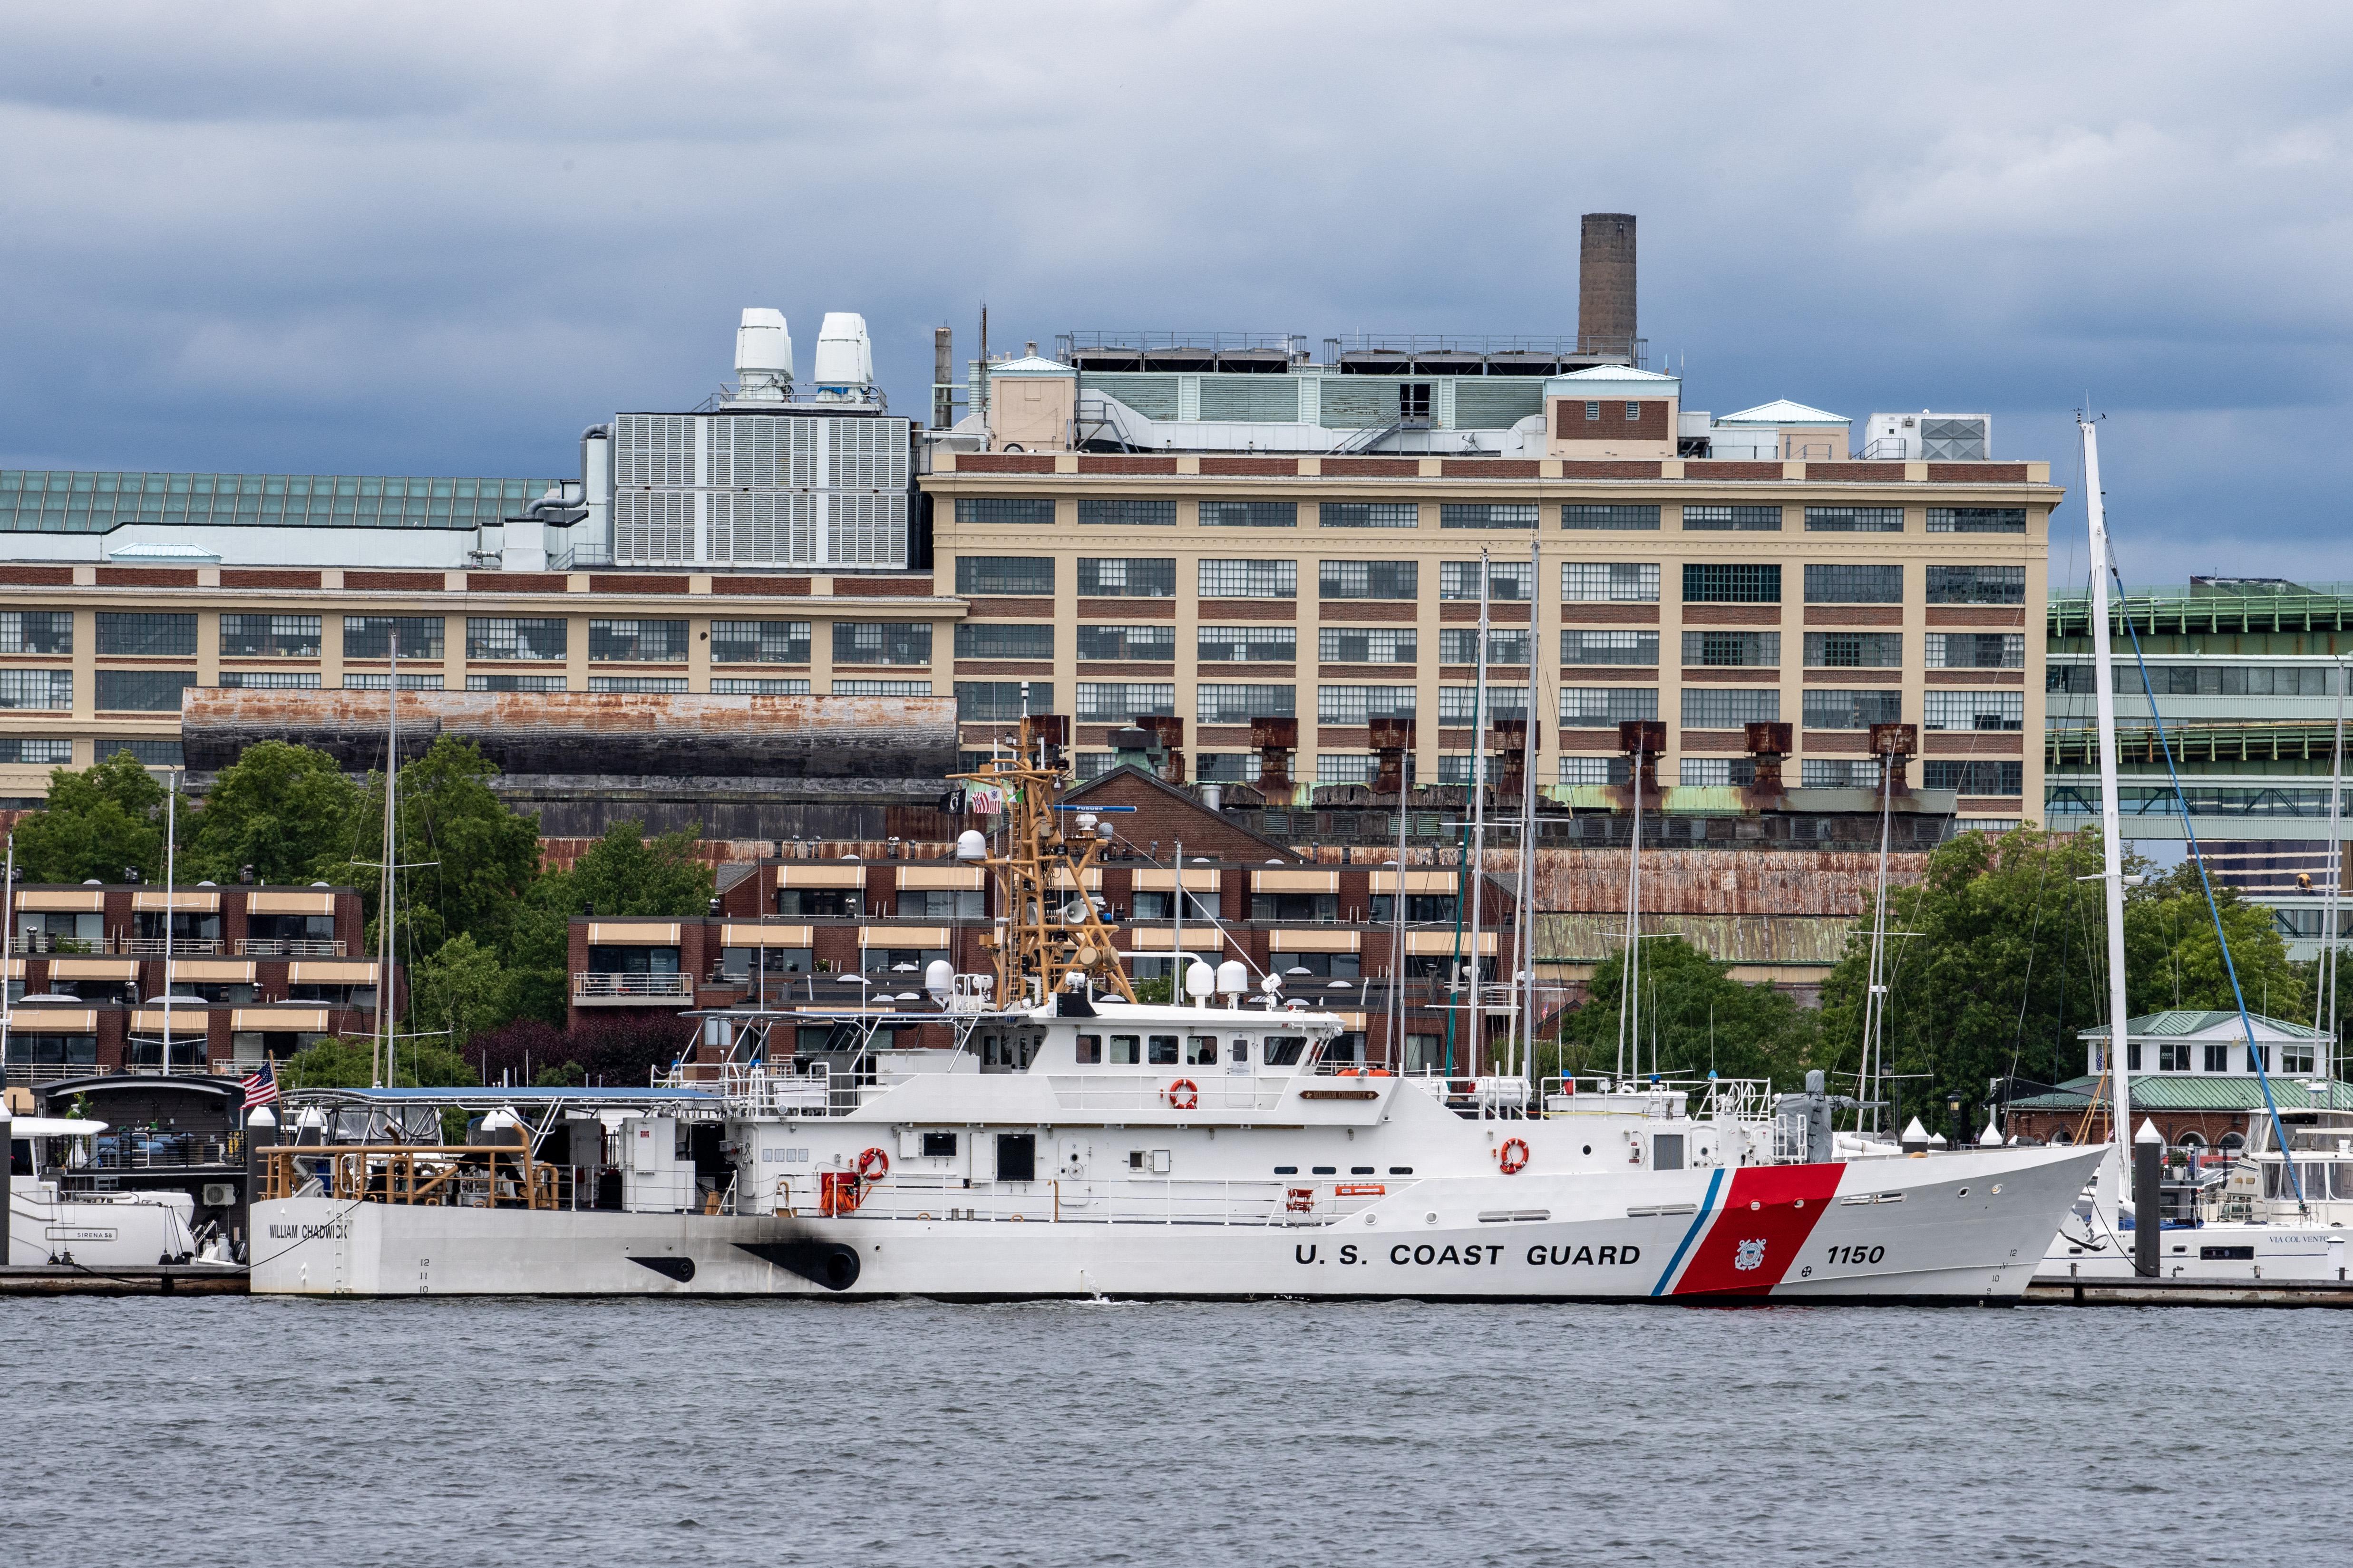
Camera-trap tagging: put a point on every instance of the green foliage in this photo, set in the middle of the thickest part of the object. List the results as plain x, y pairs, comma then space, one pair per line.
623, 873
96, 822
344, 1063
286, 811
459, 991
475, 860
2008, 964
1699, 1017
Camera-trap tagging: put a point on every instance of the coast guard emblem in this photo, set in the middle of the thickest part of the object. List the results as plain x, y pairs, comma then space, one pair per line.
1751, 1256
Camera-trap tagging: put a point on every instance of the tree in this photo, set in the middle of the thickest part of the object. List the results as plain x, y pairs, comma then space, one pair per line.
342, 1063
1696, 1019
459, 991
2172, 959
623, 873
475, 860
284, 810
96, 822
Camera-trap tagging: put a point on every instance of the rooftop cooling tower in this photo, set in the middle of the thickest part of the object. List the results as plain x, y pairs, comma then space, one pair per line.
764, 355
844, 369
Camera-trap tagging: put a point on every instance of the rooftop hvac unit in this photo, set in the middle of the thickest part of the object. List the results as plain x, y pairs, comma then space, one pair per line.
764, 354
1928, 437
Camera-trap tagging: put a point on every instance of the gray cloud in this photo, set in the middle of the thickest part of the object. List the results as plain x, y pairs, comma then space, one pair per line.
443, 237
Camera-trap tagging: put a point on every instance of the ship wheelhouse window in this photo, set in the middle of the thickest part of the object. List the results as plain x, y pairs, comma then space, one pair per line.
1201, 1050
1163, 1050
1090, 1049
1284, 1051
1125, 1051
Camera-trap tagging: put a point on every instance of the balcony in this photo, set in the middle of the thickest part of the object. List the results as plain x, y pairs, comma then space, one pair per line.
288, 947
153, 946
598, 988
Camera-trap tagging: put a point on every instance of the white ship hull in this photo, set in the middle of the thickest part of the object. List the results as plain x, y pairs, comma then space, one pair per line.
2286, 1254
1959, 1228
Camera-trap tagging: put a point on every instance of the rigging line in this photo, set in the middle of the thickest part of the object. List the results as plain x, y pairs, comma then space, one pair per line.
2222, 938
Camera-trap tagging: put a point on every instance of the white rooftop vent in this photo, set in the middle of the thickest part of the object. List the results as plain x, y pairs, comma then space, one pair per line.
164, 554
844, 367
764, 356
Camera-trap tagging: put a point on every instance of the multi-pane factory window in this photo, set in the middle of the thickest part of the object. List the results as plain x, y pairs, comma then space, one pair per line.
1125, 577
1977, 584
1010, 639
146, 634
1225, 767
881, 689
381, 680
1716, 773
1368, 579
1369, 514
1853, 710
1732, 651
1854, 650
881, 642
1487, 514
1610, 582
1845, 585
1731, 582
1729, 707
1019, 512
1611, 648
1250, 514
981, 701
149, 751
1148, 642
514, 683
1594, 705
1977, 650
141, 690
27, 750
1732, 520
1117, 701
1973, 711
269, 637
1127, 513
1358, 704
515, 637
1594, 770
36, 631
1505, 645
1246, 645
1977, 520
371, 636
1512, 580
1854, 519
269, 679
1364, 645
1240, 704
1606, 516
759, 686
1004, 574
759, 642
1975, 777
1838, 773
1458, 704
1248, 579
41, 688
1346, 767
637, 683
637, 642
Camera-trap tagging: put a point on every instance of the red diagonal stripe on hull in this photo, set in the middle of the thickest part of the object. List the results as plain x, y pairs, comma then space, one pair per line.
1787, 1202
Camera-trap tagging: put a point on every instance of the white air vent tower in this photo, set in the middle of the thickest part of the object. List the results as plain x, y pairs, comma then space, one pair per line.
844, 367
764, 356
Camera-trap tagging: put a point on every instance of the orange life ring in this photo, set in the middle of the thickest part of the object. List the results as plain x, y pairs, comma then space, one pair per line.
1183, 1094
1512, 1156
873, 1165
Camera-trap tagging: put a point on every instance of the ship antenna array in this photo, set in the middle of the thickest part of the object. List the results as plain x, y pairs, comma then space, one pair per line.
1051, 927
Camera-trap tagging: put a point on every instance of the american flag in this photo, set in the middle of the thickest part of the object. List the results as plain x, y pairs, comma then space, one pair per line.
261, 1087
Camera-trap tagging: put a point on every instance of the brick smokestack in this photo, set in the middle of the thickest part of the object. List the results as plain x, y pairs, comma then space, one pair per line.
1605, 284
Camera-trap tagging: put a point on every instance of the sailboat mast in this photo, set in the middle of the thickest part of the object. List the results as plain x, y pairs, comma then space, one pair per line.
171, 882
2112, 855
1476, 1018
2324, 982
1526, 963
379, 1059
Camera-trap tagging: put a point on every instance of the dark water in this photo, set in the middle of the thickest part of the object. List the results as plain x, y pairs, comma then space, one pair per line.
650, 1432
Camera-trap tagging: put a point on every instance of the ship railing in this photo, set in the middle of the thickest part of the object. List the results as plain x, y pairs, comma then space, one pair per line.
476, 1175
1311, 1202
752, 1088
138, 1150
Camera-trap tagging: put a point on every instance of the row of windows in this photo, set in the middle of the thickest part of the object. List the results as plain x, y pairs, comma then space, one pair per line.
261, 636
158, 690
1724, 708
1969, 778
1581, 581
2197, 680
1037, 512
56, 751
84, 503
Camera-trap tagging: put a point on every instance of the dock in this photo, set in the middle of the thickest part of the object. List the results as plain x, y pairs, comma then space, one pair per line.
2189, 1293
153, 1279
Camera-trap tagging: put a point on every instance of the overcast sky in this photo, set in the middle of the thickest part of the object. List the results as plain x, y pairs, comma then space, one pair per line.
425, 238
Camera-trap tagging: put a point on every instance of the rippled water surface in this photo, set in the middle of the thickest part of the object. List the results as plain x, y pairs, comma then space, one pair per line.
571, 1432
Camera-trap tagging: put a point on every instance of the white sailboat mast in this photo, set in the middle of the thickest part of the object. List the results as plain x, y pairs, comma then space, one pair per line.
1475, 1019
380, 1066
1526, 956
2112, 855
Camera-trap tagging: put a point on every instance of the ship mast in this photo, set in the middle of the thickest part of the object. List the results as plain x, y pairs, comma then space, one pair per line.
2112, 866
1041, 876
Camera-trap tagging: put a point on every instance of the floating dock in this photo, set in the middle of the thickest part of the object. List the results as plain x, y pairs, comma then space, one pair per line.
154, 1279
2190, 1293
